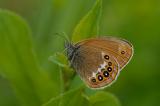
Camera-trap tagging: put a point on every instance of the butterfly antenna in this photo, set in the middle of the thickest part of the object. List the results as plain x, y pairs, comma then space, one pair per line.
65, 37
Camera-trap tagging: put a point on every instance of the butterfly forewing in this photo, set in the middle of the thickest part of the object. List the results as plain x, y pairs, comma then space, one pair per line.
120, 49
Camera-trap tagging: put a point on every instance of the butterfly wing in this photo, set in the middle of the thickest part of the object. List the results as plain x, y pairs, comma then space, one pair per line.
98, 61
121, 49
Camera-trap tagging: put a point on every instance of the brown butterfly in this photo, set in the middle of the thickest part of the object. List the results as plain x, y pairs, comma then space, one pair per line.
98, 61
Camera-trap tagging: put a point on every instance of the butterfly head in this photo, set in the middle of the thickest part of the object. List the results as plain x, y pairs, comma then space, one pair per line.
70, 48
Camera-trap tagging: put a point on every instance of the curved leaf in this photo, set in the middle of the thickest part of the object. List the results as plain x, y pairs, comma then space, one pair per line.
18, 63
59, 59
104, 99
89, 24
70, 98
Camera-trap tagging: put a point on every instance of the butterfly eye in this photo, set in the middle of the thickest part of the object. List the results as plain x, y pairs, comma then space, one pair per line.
122, 52
106, 57
109, 69
93, 80
109, 63
100, 77
106, 74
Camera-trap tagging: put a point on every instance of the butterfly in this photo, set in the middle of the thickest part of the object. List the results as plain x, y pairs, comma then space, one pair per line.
98, 61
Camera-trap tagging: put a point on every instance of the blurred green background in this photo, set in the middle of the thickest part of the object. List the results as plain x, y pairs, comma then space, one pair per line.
135, 20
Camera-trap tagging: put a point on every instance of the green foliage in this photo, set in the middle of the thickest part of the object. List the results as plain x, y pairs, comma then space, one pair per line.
59, 59
89, 25
18, 63
32, 86
29, 78
71, 98
104, 99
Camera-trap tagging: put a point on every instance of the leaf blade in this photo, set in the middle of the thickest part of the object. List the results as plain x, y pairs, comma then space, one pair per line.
89, 24
18, 63
102, 98
72, 97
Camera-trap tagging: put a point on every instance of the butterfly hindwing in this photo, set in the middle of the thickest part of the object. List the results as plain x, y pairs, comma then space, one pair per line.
96, 68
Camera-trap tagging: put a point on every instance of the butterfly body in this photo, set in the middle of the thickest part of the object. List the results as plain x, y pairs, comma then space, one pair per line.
98, 61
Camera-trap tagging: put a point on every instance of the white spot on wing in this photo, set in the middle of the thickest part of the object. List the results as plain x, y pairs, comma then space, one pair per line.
99, 69
103, 65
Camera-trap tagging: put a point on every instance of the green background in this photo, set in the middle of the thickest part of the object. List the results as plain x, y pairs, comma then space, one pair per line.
135, 20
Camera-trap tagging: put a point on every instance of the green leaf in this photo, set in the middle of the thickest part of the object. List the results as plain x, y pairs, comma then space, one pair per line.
76, 82
104, 99
66, 72
73, 97
59, 59
18, 63
89, 25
